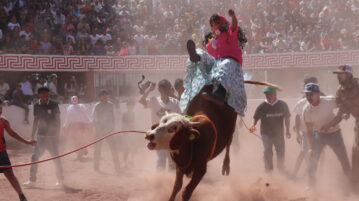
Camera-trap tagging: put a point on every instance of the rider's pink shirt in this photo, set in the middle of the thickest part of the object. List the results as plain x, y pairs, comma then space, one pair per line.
226, 45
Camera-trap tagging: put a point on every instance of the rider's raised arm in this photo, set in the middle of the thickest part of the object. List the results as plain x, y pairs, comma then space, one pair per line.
234, 24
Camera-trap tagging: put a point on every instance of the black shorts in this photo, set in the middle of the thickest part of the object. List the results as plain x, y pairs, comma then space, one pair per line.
4, 161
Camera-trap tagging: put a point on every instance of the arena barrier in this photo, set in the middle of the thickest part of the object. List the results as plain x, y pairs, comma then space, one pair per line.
20, 62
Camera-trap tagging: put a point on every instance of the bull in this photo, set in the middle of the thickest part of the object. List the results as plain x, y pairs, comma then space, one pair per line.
193, 142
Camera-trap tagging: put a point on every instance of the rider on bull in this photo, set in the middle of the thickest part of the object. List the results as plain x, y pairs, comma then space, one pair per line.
220, 65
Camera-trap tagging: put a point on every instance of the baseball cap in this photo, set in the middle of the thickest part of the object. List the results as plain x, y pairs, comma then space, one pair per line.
344, 69
311, 87
269, 89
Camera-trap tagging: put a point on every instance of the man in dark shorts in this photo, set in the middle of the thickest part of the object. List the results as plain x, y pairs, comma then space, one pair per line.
4, 158
46, 125
273, 113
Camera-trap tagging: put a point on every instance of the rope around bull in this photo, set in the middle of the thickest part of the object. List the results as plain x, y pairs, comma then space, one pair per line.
73, 151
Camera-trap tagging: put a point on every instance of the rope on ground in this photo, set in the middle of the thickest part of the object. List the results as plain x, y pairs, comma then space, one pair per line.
73, 151
255, 134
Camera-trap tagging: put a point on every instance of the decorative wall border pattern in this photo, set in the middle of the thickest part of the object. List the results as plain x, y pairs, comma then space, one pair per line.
16, 62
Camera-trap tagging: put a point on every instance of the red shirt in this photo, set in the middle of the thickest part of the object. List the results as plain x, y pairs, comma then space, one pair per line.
226, 45
2, 138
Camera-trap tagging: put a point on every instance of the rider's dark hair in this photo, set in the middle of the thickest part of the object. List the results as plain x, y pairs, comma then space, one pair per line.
215, 18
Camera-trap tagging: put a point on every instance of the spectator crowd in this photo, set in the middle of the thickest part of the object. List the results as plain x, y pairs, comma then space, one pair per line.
149, 27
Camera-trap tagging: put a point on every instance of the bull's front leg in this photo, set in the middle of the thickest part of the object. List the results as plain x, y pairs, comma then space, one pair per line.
178, 184
196, 178
226, 169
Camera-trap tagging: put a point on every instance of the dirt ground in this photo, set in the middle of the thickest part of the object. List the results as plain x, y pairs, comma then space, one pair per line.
140, 181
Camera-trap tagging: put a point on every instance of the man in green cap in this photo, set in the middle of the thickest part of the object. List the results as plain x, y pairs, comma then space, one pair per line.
272, 113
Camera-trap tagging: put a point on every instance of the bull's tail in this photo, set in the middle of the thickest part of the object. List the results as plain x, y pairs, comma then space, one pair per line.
263, 83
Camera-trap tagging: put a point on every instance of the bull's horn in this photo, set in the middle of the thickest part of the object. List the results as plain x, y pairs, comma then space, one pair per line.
166, 113
194, 123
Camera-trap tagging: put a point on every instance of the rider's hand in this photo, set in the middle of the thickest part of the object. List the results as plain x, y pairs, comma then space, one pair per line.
231, 13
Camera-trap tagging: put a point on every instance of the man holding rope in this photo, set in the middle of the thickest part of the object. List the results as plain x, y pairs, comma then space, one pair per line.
46, 126
272, 113
4, 158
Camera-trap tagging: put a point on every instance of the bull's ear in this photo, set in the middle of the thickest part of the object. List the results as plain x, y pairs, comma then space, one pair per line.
193, 134
154, 126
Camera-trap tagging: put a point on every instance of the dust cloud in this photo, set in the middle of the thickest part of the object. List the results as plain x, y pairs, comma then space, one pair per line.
247, 181
140, 181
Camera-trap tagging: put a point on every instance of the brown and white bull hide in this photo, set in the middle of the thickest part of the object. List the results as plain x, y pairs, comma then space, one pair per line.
190, 143
193, 143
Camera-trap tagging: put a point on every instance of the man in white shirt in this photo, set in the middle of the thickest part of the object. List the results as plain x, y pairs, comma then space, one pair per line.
59, 18
301, 131
52, 85
106, 37
11, 25
300, 127
93, 37
159, 106
26, 32
317, 114
26, 88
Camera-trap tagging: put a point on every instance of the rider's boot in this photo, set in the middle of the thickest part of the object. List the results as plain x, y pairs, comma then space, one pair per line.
191, 49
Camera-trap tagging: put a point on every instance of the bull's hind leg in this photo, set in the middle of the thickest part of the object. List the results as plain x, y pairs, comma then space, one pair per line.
226, 169
196, 178
178, 184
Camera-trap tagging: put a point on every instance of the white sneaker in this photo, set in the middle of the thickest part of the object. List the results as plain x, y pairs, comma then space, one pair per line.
29, 184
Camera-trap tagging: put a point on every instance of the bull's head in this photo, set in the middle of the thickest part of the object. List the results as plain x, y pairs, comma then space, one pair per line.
168, 133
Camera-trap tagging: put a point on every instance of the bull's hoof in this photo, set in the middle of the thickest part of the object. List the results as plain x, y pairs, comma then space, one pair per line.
191, 49
186, 195
226, 170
